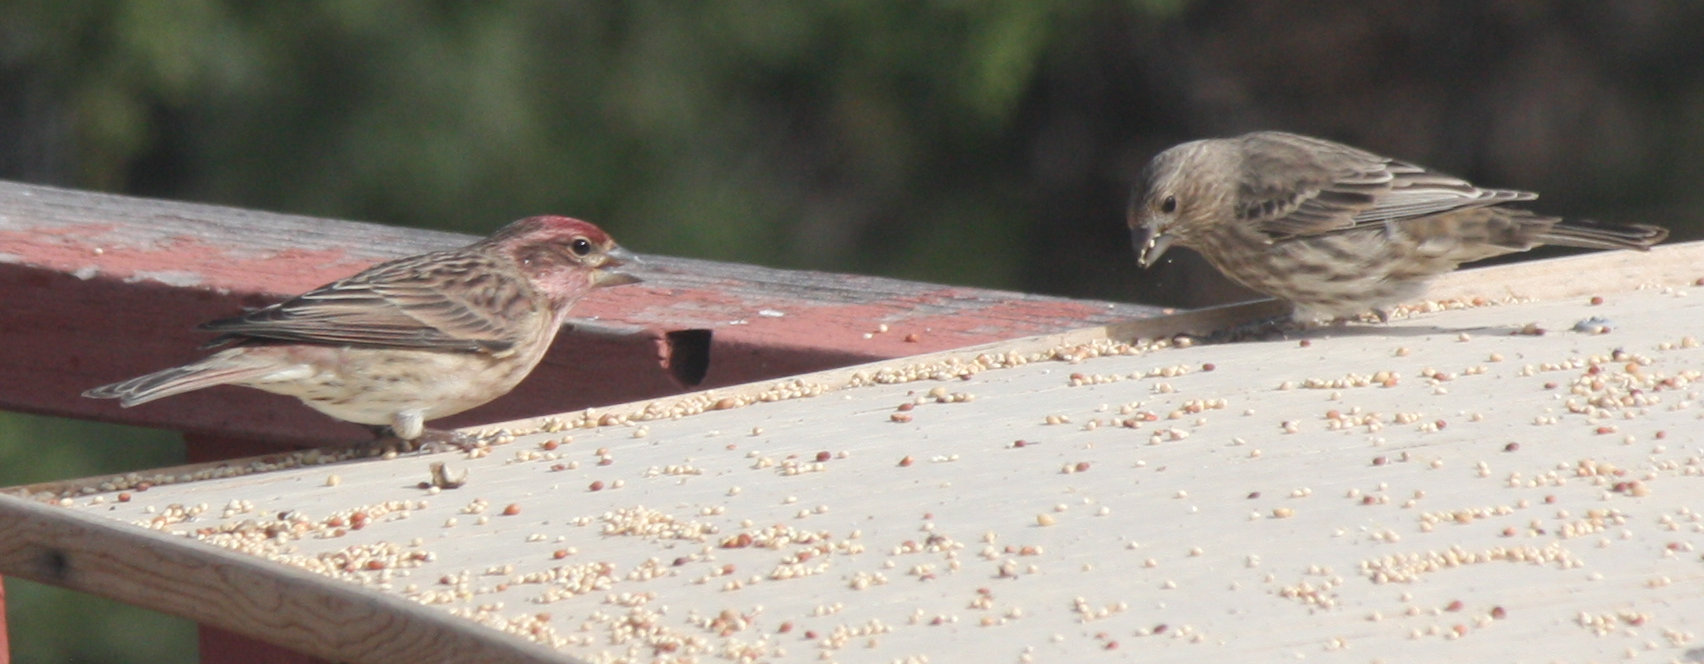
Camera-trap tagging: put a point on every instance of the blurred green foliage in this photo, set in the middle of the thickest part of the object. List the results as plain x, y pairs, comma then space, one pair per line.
978, 143
47, 624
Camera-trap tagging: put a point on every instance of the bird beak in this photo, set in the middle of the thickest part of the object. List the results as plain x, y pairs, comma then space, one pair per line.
604, 276
1150, 245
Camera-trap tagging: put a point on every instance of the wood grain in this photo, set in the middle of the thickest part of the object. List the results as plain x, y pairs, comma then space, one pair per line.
272, 603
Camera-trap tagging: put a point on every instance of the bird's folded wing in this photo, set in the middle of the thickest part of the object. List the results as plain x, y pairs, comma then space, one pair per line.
411, 304
1366, 193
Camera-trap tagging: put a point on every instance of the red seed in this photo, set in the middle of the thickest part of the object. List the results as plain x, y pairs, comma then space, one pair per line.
1512, 447
549, 445
512, 509
905, 461
1497, 613
559, 554
1082, 466
1208, 366
597, 485
823, 456
1454, 606
739, 541
900, 417
1597, 300
912, 338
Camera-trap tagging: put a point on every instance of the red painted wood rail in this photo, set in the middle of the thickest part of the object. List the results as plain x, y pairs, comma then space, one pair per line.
97, 288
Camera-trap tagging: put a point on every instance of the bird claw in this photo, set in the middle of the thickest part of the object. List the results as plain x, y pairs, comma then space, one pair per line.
387, 444
436, 440
1260, 329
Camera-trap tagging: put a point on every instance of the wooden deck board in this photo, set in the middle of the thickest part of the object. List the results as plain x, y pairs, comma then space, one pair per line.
1539, 501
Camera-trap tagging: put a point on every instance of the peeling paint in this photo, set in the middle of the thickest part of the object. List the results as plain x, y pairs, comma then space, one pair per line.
178, 278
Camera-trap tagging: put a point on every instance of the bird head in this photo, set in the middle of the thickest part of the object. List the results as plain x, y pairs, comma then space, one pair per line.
1172, 199
565, 257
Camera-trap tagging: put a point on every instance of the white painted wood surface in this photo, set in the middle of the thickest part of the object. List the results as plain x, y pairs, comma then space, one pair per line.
1445, 487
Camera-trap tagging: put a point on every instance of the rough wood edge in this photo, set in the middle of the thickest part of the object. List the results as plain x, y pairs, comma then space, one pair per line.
272, 603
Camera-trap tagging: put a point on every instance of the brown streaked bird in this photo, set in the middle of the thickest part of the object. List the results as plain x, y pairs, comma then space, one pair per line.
409, 340
1333, 230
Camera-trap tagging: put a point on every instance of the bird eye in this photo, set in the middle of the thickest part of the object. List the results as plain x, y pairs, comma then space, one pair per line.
1169, 205
580, 246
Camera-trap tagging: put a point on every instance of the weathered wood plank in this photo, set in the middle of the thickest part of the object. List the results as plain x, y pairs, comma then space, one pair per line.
102, 287
277, 604
1493, 496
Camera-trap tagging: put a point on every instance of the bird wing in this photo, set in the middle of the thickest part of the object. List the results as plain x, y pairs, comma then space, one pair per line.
449, 301
1312, 186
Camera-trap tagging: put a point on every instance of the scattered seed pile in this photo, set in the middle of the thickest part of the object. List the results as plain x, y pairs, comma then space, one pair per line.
1490, 483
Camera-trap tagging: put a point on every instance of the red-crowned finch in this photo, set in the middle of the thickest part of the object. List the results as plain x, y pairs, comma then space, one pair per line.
1333, 230
408, 340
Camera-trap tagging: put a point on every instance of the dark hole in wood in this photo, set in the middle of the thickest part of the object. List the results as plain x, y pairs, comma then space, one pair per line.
56, 565
688, 355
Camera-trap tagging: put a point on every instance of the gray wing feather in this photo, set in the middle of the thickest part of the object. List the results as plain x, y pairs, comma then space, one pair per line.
446, 301
1326, 187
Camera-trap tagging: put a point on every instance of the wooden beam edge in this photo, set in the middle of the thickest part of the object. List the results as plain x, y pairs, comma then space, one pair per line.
268, 602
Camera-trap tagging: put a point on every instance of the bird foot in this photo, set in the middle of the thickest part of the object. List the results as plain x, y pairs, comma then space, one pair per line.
436, 440
386, 443
1260, 329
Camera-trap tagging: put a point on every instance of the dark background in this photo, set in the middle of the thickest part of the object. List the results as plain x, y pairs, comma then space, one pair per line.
975, 143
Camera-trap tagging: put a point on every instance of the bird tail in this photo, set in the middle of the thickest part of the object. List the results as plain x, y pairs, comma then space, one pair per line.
221, 369
1594, 235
